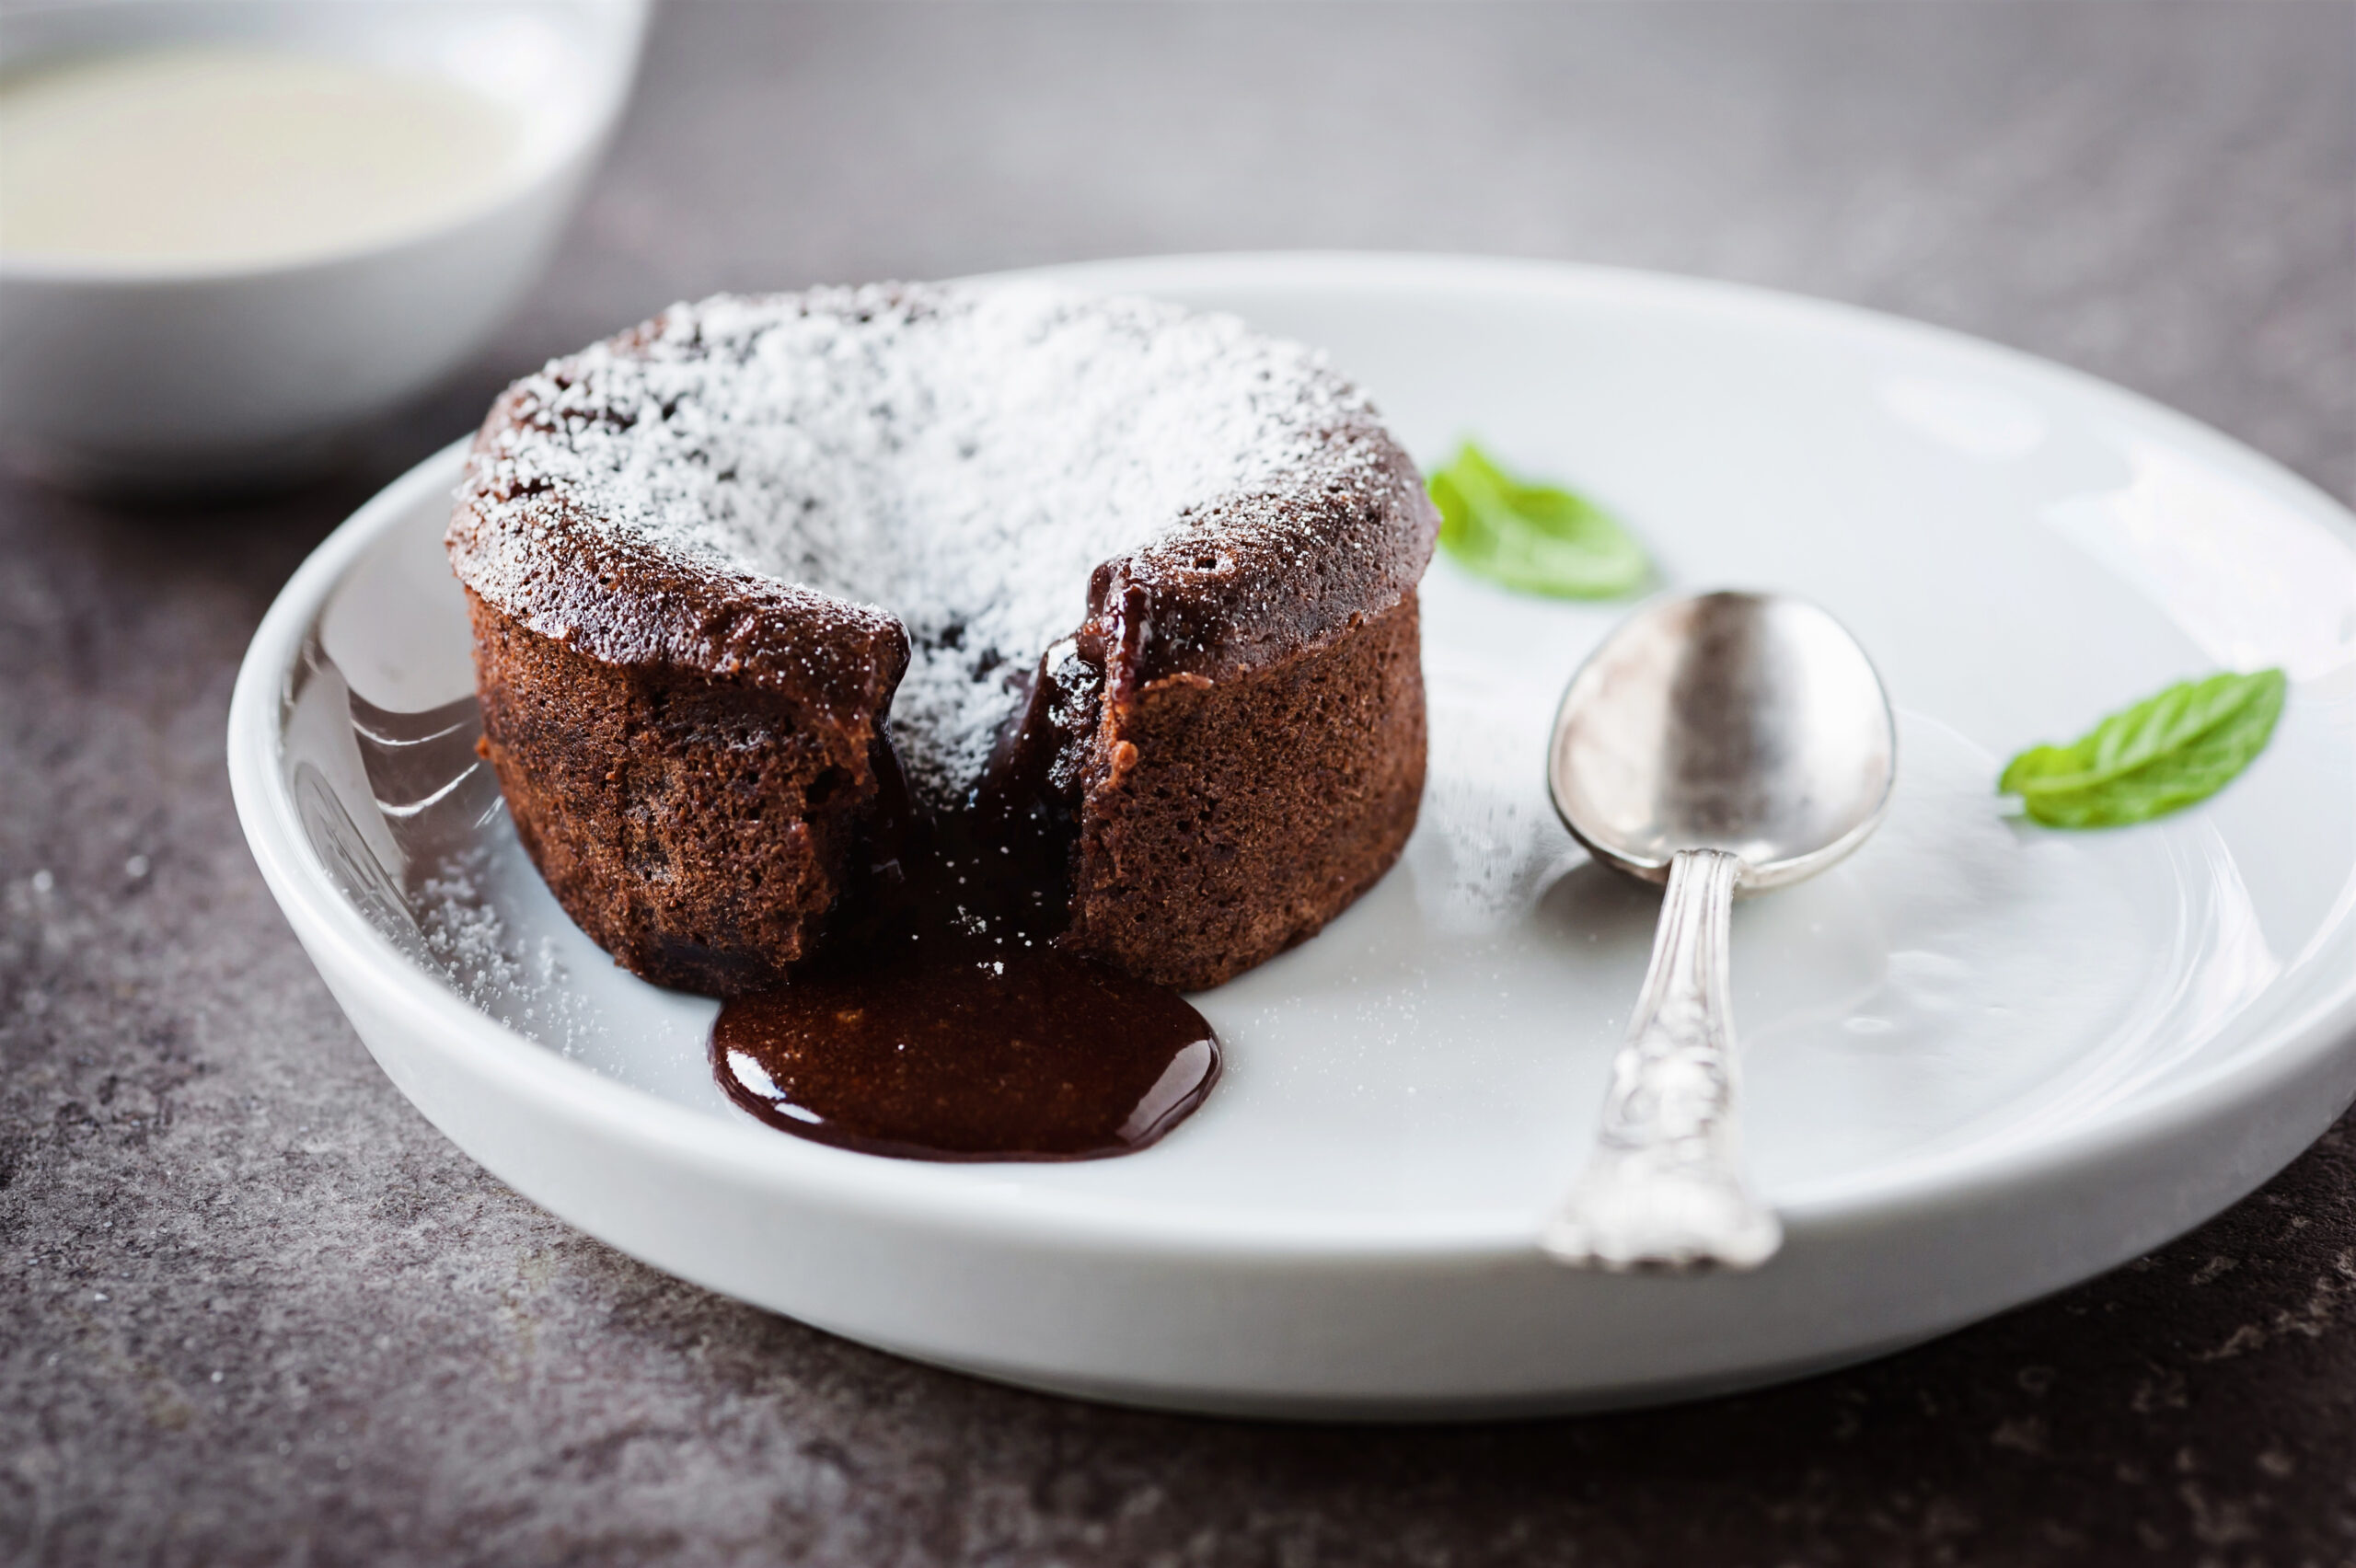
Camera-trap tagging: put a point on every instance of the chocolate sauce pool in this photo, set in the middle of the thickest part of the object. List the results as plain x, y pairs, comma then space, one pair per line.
1036, 1055
942, 1023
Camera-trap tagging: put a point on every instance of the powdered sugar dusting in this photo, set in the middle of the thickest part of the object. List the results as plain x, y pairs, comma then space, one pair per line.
522, 983
958, 456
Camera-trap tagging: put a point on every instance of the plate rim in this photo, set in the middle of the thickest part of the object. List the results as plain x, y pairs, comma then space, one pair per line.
470, 1042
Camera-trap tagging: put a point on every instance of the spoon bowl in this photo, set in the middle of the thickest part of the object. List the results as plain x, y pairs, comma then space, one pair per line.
1719, 741
1747, 722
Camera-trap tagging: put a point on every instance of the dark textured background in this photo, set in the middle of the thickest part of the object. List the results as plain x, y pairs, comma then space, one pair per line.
253, 1310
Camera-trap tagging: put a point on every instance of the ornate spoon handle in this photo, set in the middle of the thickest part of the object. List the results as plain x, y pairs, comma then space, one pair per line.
1664, 1188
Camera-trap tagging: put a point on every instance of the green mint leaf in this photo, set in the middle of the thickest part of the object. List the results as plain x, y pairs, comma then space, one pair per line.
1535, 538
2166, 753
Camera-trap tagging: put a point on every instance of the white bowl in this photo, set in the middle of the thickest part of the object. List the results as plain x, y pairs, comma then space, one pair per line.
1983, 1060
120, 374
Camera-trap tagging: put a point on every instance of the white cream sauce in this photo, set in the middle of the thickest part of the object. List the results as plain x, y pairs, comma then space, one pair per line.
220, 156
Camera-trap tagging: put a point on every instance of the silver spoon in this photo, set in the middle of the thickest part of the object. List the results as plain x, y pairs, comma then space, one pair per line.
1726, 740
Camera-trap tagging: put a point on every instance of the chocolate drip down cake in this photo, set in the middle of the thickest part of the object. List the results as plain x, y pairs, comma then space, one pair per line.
772, 594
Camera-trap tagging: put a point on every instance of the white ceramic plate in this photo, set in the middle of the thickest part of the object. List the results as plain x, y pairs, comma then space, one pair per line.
1984, 1060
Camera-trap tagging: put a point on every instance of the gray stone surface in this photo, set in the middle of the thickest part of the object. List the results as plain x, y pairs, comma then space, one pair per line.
252, 1309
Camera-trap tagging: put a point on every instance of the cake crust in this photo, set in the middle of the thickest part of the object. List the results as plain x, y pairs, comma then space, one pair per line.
1224, 821
699, 830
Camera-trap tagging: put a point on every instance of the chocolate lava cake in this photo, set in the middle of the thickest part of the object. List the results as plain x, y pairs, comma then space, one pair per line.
764, 587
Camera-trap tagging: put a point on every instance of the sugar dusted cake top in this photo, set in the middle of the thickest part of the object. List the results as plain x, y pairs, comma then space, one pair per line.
970, 471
